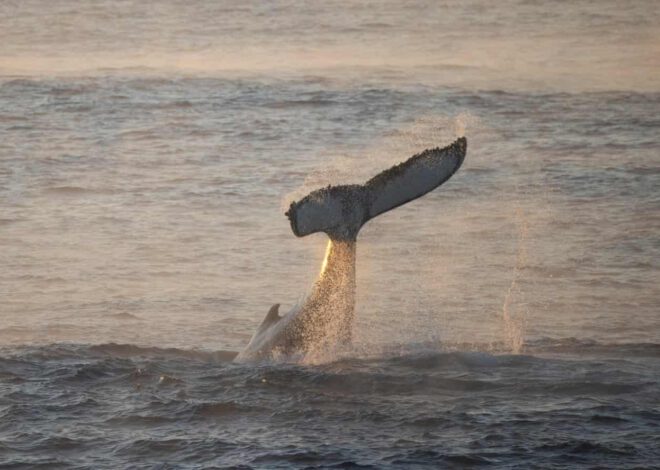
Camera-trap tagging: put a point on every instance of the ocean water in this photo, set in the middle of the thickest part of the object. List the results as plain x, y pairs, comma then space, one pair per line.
147, 155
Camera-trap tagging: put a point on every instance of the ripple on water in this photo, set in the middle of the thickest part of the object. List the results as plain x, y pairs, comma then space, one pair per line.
456, 409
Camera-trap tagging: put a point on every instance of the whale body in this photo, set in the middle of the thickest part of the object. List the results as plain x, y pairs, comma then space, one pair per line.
325, 318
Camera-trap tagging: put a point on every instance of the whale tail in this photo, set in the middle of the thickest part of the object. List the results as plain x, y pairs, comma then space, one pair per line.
340, 211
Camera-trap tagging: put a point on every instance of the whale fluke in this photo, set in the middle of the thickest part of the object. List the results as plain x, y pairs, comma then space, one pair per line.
415, 177
340, 211
325, 319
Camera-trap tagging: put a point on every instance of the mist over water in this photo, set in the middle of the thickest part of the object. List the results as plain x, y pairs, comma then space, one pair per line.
148, 153
581, 45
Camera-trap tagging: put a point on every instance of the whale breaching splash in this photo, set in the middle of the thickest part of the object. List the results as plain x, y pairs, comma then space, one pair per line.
325, 319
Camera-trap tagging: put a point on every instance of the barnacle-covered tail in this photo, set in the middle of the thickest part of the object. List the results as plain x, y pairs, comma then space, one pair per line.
413, 178
340, 211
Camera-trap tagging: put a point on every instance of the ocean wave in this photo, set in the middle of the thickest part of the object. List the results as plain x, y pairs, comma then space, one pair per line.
124, 316
449, 460
220, 409
298, 103
587, 346
130, 350
196, 407
581, 447
73, 190
420, 356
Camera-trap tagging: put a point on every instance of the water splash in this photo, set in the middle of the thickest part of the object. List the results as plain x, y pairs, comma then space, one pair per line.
514, 309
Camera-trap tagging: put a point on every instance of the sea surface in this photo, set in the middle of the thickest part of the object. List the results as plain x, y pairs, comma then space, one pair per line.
148, 152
